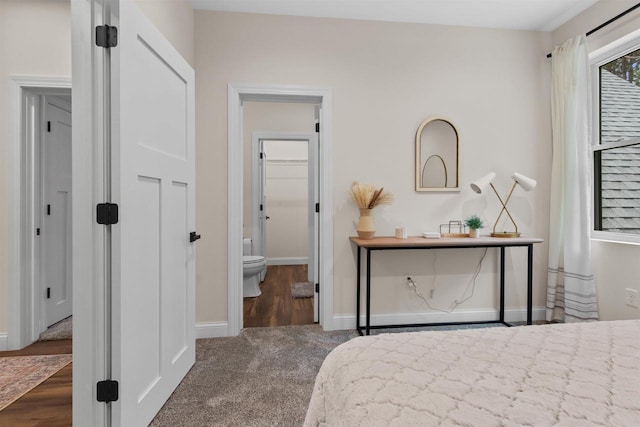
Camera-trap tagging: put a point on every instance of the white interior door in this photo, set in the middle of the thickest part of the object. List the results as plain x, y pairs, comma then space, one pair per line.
153, 178
56, 210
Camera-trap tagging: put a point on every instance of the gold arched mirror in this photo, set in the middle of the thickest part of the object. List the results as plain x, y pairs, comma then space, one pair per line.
437, 160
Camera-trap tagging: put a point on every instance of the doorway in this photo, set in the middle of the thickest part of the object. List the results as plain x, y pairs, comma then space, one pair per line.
54, 207
237, 96
36, 102
40, 289
285, 227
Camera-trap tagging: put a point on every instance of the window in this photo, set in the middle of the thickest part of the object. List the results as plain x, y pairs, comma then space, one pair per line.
616, 152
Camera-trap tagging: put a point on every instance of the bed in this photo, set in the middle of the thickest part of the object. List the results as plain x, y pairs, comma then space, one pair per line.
578, 374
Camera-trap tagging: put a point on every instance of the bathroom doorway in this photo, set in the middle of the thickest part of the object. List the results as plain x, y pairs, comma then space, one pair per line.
285, 229
239, 97
281, 217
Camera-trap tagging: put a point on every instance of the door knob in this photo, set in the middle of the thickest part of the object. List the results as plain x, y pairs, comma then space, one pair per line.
193, 236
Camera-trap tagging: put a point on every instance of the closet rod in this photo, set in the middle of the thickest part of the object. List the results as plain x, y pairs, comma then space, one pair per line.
610, 21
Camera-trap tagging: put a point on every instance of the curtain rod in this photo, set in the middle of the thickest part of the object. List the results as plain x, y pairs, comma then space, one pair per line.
610, 21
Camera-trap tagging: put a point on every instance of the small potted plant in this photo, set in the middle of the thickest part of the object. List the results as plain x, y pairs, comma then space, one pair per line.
474, 223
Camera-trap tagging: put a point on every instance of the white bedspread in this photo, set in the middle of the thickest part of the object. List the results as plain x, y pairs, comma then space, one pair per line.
579, 374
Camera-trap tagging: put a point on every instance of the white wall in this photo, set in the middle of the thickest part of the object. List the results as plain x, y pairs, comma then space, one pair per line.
35, 40
287, 200
615, 265
386, 78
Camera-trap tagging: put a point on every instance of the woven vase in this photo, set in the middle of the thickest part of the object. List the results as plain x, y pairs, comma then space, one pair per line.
365, 227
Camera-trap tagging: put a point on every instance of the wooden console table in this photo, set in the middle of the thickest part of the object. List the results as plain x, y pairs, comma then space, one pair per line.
392, 243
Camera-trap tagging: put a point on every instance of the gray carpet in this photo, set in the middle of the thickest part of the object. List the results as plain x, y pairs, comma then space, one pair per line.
264, 377
58, 331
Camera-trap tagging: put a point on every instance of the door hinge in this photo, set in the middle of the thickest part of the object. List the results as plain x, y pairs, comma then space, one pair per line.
106, 36
37, 231
48, 126
261, 207
193, 236
107, 213
48, 209
318, 207
261, 155
107, 391
317, 288
48, 293
318, 127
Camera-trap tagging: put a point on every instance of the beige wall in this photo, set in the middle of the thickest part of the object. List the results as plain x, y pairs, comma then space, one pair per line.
386, 78
35, 41
615, 265
174, 18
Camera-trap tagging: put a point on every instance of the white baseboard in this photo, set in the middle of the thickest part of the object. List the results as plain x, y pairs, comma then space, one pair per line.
212, 330
348, 321
287, 261
4, 342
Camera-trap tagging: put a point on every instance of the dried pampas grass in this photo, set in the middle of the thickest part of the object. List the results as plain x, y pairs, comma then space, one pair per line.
367, 196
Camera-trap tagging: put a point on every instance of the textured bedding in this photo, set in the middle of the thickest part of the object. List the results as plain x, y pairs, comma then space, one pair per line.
579, 374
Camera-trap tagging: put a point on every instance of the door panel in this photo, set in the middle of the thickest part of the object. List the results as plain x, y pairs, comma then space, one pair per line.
154, 183
56, 230
144, 288
176, 321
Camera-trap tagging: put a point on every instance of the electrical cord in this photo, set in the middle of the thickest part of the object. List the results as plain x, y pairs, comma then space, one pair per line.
455, 303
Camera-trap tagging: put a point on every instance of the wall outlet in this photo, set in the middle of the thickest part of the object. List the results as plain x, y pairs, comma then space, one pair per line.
411, 284
406, 280
631, 297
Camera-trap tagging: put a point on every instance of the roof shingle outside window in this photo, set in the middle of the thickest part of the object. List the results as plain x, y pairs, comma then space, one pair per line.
620, 172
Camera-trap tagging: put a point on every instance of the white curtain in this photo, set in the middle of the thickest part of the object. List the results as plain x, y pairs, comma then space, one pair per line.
571, 293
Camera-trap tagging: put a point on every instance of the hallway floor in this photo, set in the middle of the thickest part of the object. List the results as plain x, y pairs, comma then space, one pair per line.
48, 404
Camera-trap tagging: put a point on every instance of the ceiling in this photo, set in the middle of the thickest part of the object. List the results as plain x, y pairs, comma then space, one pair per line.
540, 15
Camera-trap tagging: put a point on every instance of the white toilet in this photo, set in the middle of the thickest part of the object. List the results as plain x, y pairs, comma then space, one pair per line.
252, 266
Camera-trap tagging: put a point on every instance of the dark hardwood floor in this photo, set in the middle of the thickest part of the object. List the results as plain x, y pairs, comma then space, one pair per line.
275, 307
48, 404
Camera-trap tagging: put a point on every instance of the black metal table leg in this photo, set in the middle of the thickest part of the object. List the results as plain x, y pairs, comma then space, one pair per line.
530, 285
502, 284
358, 292
368, 325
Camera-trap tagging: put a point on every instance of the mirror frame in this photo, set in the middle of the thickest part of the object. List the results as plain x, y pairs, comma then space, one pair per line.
418, 171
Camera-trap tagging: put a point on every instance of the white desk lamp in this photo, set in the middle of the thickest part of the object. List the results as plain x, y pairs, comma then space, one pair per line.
525, 182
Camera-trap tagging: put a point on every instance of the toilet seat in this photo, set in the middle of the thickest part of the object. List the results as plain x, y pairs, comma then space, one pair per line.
252, 259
